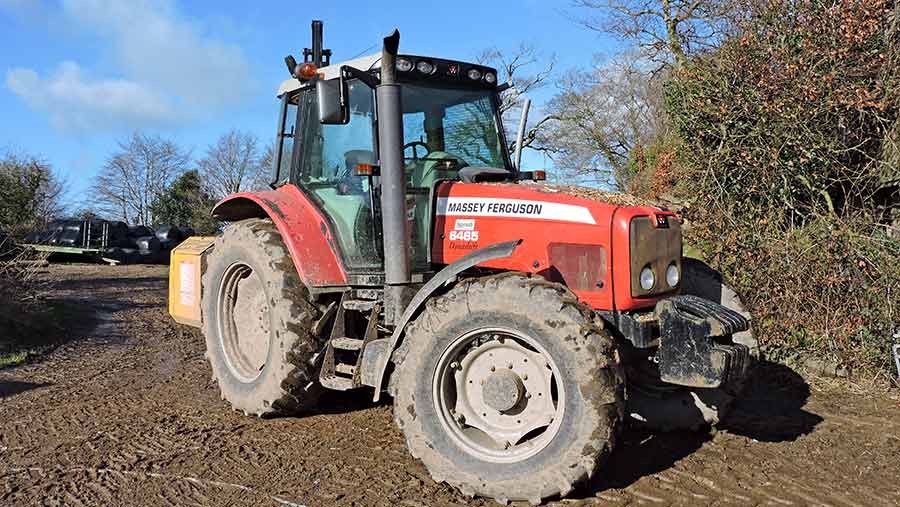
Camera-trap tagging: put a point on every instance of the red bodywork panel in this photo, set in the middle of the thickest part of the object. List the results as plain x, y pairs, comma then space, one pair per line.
303, 228
580, 242
564, 238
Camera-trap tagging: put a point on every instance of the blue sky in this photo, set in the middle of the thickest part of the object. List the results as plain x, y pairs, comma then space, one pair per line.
80, 74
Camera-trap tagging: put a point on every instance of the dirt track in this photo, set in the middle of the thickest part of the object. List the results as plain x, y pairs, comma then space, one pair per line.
127, 415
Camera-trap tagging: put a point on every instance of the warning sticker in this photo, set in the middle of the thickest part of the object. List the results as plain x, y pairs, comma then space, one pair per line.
187, 290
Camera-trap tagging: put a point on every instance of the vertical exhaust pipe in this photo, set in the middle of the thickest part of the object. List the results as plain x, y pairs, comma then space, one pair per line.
393, 181
317, 43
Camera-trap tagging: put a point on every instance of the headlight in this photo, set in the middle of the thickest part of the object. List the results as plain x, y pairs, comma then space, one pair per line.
404, 65
474, 74
424, 67
672, 275
647, 278
490, 77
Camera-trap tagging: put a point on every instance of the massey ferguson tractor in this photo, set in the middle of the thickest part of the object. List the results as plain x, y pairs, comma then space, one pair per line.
400, 249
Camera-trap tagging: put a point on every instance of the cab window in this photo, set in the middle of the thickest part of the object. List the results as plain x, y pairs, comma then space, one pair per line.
284, 148
328, 158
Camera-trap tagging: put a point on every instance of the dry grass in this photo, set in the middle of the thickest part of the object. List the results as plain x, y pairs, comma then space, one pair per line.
22, 301
594, 194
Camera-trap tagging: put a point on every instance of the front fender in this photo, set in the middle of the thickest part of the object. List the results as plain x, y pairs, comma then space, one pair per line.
303, 229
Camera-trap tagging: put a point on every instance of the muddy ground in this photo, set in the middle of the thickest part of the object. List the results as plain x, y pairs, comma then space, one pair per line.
125, 414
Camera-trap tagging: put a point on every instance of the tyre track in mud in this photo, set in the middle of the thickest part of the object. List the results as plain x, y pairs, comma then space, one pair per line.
128, 415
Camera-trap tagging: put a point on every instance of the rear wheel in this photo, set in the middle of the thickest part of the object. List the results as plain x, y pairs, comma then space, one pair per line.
508, 389
257, 320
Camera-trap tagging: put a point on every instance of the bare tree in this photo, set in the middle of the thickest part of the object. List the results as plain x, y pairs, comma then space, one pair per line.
600, 117
667, 31
232, 164
135, 175
528, 70
262, 178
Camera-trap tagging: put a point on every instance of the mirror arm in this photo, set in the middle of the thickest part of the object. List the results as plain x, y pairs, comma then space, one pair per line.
348, 72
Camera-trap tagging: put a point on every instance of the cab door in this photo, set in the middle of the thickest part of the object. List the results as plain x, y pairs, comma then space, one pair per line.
325, 169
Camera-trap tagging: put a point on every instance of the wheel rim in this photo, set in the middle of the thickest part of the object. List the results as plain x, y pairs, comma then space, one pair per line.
243, 322
498, 394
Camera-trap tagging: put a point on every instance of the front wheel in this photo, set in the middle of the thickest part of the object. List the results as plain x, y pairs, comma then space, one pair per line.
508, 389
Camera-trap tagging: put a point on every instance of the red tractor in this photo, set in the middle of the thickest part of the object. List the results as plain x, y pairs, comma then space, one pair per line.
401, 249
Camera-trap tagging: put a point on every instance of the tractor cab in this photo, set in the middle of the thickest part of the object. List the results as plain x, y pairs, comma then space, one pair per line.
328, 145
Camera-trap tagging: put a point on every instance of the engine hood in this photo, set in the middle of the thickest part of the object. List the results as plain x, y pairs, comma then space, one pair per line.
574, 235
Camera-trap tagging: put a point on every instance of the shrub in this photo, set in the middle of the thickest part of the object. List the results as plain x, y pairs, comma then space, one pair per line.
787, 138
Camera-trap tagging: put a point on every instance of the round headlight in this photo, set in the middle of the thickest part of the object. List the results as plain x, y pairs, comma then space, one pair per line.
424, 67
672, 275
490, 77
404, 65
647, 278
474, 74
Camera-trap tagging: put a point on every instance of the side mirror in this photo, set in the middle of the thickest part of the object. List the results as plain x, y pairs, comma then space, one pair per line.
332, 98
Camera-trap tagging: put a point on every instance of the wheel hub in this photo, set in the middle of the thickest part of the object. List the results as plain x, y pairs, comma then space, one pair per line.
502, 390
244, 322
499, 395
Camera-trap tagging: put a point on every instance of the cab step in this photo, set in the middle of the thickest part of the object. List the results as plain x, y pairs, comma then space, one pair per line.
342, 361
337, 383
346, 369
345, 343
359, 305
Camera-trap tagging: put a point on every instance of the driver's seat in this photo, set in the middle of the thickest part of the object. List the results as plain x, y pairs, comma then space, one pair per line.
429, 170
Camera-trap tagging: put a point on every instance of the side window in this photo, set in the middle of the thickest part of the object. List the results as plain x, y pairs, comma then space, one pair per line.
329, 155
284, 147
331, 152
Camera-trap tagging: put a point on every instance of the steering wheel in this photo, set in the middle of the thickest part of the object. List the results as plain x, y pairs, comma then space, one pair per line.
413, 145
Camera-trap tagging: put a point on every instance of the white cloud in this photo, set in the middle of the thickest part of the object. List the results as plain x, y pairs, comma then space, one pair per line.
76, 102
168, 70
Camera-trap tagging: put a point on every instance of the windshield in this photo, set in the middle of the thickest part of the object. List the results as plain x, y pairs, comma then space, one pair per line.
443, 123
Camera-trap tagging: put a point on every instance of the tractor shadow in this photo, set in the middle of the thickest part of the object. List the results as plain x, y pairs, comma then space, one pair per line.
12, 387
770, 410
344, 402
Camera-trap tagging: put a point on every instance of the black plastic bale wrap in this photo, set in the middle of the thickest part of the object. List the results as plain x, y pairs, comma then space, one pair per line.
70, 237
118, 234
139, 231
169, 233
147, 243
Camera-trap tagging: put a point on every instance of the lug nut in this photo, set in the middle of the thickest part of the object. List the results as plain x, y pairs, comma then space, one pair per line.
509, 365
493, 368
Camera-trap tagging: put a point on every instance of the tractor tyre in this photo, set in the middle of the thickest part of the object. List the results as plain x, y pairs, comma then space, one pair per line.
508, 388
257, 320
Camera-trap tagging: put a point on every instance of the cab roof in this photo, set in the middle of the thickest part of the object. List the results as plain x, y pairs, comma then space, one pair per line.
363, 63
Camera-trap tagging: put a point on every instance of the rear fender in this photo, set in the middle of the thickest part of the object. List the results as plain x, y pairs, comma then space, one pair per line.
303, 229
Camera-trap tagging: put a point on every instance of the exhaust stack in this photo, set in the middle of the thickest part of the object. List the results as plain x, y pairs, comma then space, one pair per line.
393, 182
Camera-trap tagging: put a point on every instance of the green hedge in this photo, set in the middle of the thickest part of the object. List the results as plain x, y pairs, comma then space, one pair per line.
786, 139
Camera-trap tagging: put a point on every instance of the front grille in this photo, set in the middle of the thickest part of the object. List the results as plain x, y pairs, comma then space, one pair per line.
654, 247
